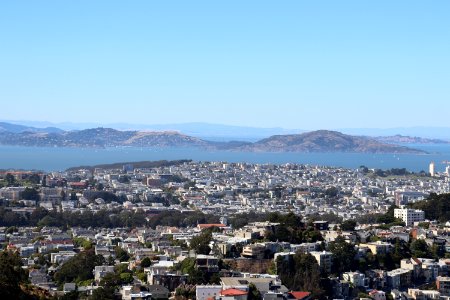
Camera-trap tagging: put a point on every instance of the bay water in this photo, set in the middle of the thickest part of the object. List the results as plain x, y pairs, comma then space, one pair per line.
59, 159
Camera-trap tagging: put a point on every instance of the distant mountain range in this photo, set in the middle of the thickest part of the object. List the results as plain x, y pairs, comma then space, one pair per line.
442, 133
215, 132
16, 128
316, 141
223, 133
402, 139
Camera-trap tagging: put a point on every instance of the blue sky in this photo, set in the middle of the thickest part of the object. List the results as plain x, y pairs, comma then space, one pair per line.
293, 64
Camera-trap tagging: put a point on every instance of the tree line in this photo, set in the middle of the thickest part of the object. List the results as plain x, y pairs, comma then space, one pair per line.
103, 218
436, 207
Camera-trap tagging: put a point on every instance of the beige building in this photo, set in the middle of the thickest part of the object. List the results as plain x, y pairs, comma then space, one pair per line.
324, 259
377, 247
254, 251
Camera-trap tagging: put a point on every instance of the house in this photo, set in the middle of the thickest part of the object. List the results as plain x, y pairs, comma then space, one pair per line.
355, 278
69, 287
430, 269
158, 292
263, 284
207, 262
378, 247
105, 251
321, 225
61, 256
424, 294
377, 295
233, 294
298, 295
413, 264
134, 293
38, 277
205, 292
207, 226
101, 271
443, 285
253, 251
399, 278
27, 251
274, 295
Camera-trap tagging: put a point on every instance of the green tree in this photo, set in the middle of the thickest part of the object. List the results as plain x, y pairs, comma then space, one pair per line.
196, 276
401, 251
70, 296
300, 273
146, 262
253, 292
73, 196
10, 179
38, 214
11, 275
331, 192
420, 249
343, 255
102, 293
30, 194
312, 236
121, 254
82, 242
126, 278
388, 217
348, 225
79, 268
111, 281
200, 243
436, 207
34, 178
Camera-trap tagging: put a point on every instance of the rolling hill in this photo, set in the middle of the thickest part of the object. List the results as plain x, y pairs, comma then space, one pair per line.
315, 141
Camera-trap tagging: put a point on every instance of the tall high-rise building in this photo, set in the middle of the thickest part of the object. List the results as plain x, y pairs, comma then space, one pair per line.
431, 169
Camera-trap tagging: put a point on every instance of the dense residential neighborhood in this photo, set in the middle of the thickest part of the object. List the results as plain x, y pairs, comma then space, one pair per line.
217, 230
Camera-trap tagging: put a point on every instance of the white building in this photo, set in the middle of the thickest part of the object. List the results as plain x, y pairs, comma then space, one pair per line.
61, 256
204, 292
409, 216
431, 169
356, 278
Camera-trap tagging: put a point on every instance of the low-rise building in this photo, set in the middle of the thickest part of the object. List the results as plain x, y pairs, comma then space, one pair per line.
409, 216
324, 259
355, 278
101, 271
443, 285
205, 292
207, 262
253, 251
378, 247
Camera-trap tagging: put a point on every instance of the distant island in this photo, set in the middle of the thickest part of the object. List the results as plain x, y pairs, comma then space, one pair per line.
315, 141
403, 139
326, 141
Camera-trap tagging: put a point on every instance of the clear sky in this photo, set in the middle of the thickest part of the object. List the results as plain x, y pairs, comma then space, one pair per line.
293, 64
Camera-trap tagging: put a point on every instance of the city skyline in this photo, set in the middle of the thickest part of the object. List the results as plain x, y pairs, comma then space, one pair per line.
298, 65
